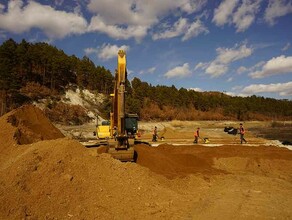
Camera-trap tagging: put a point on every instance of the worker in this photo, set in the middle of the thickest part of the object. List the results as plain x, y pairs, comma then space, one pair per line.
154, 138
115, 133
197, 135
242, 132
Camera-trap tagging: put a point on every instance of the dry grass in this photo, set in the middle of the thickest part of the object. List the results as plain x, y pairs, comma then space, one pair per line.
281, 124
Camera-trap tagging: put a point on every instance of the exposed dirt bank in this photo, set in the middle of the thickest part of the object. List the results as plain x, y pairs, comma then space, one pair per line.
53, 177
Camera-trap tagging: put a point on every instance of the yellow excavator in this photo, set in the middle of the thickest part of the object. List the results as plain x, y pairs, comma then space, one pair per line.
122, 128
119, 134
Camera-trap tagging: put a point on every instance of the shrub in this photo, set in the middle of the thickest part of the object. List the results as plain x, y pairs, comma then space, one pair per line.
67, 114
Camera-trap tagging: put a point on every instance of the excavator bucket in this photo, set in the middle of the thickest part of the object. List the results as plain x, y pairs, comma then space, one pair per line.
125, 155
122, 149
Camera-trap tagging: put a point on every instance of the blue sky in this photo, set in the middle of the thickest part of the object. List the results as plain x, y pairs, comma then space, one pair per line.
240, 47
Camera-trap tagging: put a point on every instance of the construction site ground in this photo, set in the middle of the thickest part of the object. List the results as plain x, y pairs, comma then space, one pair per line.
46, 173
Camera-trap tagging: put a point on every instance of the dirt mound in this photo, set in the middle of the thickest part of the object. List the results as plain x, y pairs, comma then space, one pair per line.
30, 125
61, 179
180, 161
172, 163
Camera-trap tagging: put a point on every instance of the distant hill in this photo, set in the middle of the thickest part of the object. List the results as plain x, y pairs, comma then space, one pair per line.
41, 73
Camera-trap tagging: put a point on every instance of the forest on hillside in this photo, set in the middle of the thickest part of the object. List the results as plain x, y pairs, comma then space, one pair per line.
32, 71
35, 71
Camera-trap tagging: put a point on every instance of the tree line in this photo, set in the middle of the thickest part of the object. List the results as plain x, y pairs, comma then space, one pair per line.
45, 71
168, 103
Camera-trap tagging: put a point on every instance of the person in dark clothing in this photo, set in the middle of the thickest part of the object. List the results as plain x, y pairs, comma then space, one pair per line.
154, 138
115, 133
242, 132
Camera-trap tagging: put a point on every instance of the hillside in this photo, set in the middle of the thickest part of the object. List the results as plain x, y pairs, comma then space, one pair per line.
41, 73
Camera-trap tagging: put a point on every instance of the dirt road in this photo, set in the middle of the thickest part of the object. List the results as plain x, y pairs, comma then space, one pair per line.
55, 177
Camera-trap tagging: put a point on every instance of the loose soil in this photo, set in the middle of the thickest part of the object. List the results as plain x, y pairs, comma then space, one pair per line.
44, 175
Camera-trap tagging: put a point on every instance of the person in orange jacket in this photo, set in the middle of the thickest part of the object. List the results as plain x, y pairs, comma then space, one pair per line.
197, 135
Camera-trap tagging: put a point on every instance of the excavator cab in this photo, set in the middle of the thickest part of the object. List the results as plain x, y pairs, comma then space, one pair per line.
131, 125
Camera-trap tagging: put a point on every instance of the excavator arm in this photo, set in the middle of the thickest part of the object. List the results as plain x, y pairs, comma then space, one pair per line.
118, 103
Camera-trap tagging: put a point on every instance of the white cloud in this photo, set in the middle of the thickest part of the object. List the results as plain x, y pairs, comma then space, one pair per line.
223, 13
225, 56
177, 29
179, 71
193, 6
245, 14
201, 65
129, 19
241, 15
236, 88
181, 28
129, 12
55, 24
195, 29
150, 70
258, 65
230, 79
275, 66
133, 18
241, 70
228, 55
286, 47
216, 69
283, 89
196, 89
235, 94
117, 32
140, 12
90, 50
106, 51
276, 9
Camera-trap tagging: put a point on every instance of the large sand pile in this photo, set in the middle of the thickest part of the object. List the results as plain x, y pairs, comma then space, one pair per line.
29, 125
52, 177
